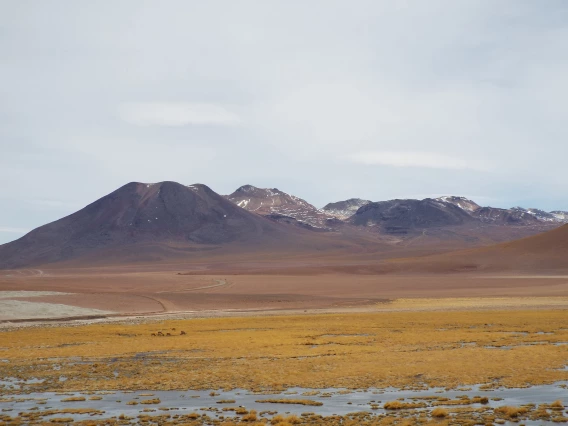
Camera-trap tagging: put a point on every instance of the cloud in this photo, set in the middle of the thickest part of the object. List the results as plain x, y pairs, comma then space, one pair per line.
176, 114
429, 160
14, 230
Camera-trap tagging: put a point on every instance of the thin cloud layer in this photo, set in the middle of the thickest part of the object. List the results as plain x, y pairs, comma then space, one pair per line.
414, 159
176, 114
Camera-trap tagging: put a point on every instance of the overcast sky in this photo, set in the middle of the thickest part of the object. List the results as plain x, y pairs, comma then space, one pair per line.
326, 100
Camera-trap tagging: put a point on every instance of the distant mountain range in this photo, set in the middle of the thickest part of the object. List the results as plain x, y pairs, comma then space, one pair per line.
390, 216
153, 222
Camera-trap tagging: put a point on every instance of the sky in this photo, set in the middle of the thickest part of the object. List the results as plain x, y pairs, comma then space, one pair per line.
326, 100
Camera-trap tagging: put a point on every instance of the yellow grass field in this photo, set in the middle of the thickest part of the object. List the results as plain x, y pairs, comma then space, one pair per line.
356, 350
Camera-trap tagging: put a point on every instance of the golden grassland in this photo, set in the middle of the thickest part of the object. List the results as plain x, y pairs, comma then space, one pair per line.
362, 350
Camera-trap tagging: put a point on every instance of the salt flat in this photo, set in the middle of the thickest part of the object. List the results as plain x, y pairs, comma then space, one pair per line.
18, 309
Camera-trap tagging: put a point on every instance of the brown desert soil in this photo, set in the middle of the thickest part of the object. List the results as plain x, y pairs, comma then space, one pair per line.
123, 292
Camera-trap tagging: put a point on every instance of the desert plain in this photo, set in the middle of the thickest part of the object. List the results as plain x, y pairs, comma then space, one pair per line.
293, 341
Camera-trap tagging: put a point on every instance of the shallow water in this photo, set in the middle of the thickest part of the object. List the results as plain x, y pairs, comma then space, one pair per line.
334, 401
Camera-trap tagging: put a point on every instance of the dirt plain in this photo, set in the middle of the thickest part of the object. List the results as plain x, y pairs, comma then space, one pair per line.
222, 288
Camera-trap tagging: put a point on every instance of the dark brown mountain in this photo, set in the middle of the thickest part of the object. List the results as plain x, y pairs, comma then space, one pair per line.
403, 216
141, 214
280, 206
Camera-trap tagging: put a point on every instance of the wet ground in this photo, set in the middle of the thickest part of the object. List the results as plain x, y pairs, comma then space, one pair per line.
324, 402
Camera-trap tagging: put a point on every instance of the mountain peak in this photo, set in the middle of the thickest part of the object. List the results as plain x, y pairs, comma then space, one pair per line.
162, 213
277, 204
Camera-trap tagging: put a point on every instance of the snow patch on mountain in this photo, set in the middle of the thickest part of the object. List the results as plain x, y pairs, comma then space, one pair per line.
345, 209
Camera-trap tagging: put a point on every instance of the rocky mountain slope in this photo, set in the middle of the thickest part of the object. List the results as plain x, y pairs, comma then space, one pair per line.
280, 206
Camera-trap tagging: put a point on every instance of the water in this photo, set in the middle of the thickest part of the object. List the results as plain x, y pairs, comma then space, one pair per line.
334, 401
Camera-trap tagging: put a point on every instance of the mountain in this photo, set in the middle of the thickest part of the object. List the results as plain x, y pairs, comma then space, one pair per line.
168, 221
280, 206
345, 209
402, 216
141, 214
546, 251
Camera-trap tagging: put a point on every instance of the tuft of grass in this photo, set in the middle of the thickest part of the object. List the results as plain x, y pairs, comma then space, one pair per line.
150, 401
226, 401
61, 420
557, 405
398, 405
250, 417
293, 419
74, 398
511, 412
440, 413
